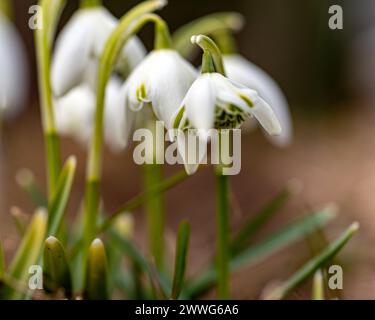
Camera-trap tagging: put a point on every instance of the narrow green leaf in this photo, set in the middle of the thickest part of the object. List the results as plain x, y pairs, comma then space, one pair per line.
314, 264
28, 252
318, 286
277, 241
205, 25
60, 198
130, 249
140, 199
182, 249
56, 270
97, 272
241, 240
2, 261
26, 180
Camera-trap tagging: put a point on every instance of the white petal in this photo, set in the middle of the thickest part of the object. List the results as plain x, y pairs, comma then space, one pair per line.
13, 68
262, 111
166, 77
113, 112
248, 74
72, 53
200, 103
74, 113
191, 159
133, 52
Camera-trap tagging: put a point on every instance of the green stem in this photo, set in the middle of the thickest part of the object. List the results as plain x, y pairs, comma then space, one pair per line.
222, 218
225, 41
6, 9
84, 4
210, 24
208, 45
129, 24
43, 39
154, 213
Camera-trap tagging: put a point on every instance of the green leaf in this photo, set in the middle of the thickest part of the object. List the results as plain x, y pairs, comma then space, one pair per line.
140, 199
241, 240
205, 25
277, 241
26, 180
61, 196
318, 286
158, 281
2, 261
28, 252
182, 249
314, 264
97, 272
56, 270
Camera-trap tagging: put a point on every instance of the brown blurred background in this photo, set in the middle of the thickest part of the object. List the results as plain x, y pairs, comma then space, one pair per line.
328, 77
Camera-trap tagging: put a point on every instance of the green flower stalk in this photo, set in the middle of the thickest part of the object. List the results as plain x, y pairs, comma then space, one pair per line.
51, 10
90, 3
129, 24
5, 8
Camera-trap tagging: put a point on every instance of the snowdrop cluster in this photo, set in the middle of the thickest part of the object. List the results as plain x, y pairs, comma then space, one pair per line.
162, 81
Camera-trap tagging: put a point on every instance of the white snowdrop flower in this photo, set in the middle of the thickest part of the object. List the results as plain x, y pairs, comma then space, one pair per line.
13, 68
160, 80
243, 71
75, 112
215, 102
79, 46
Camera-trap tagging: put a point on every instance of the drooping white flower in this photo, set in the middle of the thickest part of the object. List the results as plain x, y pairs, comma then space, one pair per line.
215, 102
75, 113
79, 46
160, 80
13, 69
243, 71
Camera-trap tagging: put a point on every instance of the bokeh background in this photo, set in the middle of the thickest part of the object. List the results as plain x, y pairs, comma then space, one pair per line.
328, 77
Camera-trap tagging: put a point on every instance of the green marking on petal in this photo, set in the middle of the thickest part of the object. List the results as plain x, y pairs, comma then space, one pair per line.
247, 100
230, 117
178, 118
141, 93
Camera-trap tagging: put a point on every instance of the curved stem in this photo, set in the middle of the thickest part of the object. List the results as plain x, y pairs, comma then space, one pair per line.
211, 24
225, 41
90, 3
208, 45
43, 39
128, 26
6, 9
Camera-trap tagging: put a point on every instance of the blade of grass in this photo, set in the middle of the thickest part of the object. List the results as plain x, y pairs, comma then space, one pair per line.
61, 196
28, 252
56, 270
277, 241
241, 240
138, 200
2, 261
97, 272
314, 264
182, 249
130, 249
